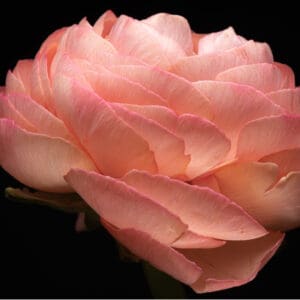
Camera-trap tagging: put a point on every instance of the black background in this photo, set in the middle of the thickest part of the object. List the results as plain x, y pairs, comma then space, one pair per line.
40, 254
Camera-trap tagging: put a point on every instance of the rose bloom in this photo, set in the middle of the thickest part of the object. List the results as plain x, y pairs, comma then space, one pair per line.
187, 145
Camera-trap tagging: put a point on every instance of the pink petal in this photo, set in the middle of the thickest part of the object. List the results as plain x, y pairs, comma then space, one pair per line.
190, 240
208, 66
124, 207
283, 202
154, 49
288, 99
246, 184
168, 149
14, 84
206, 144
8, 111
163, 257
37, 160
209, 181
264, 77
205, 212
179, 93
195, 38
286, 160
234, 264
268, 135
234, 105
115, 88
42, 120
172, 27
104, 24
220, 41
112, 144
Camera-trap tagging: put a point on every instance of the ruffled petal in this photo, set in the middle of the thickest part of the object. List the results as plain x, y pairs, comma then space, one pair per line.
124, 207
208, 66
163, 257
37, 160
104, 24
234, 264
205, 212
264, 77
112, 144
268, 135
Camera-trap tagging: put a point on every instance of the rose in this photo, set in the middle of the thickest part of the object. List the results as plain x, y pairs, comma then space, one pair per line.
186, 145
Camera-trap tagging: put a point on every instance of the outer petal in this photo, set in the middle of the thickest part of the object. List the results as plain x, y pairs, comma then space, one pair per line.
208, 66
37, 160
220, 41
155, 49
124, 207
159, 255
104, 24
113, 145
234, 264
206, 212
288, 99
264, 77
283, 201
268, 135
172, 27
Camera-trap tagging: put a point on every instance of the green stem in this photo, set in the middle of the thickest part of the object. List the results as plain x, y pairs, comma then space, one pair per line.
162, 285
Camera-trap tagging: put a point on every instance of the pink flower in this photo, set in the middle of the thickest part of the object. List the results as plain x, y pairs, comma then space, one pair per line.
186, 145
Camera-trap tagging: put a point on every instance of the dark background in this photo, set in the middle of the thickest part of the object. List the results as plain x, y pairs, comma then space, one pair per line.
40, 254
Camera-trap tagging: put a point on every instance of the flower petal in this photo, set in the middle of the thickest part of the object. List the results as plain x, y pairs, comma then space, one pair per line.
264, 77
208, 66
156, 49
172, 27
104, 24
268, 135
113, 145
234, 264
124, 207
288, 99
220, 41
246, 184
168, 149
190, 240
283, 202
204, 211
163, 257
37, 160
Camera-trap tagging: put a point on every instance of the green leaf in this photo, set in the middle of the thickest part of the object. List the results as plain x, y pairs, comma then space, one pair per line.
70, 203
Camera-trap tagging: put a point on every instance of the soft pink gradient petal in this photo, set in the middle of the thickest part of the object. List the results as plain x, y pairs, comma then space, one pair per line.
206, 144
104, 24
208, 66
287, 98
191, 240
156, 49
168, 149
178, 92
234, 105
250, 185
113, 145
163, 257
204, 211
209, 181
234, 264
125, 207
172, 27
14, 84
264, 77
286, 160
268, 135
37, 160
43, 121
220, 41
283, 202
